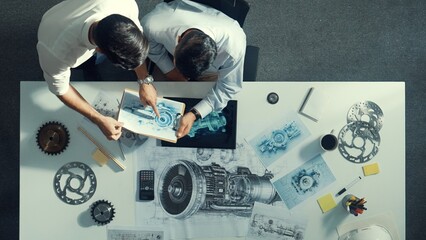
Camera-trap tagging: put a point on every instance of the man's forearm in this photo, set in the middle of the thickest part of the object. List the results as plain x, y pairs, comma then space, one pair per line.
75, 101
142, 71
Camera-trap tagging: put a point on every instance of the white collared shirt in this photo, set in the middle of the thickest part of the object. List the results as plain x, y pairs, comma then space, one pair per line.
167, 21
63, 36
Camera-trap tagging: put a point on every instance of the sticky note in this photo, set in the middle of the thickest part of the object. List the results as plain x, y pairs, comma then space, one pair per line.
326, 203
371, 169
99, 157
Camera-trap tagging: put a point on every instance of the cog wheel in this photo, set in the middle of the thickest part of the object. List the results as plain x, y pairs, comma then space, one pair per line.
52, 138
102, 212
74, 183
359, 142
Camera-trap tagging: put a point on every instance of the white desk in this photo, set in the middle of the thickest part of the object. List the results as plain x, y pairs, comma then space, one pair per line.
44, 216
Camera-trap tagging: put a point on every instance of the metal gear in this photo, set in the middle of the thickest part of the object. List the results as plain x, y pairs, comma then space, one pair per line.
74, 183
52, 138
102, 212
359, 142
366, 111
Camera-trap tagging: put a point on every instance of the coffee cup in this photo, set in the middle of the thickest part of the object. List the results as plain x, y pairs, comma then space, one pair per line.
328, 142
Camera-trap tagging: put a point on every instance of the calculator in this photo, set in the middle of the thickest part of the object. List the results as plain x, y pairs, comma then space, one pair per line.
146, 185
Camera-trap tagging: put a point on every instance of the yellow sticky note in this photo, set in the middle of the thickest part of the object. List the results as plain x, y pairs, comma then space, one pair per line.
99, 157
326, 203
371, 169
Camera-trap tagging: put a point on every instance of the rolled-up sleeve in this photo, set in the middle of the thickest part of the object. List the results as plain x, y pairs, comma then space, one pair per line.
56, 73
229, 83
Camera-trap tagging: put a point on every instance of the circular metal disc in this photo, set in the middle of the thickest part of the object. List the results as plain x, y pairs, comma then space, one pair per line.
74, 172
358, 142
366, 111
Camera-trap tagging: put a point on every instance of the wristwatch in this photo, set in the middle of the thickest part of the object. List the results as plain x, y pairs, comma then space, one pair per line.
148, 80
196, 113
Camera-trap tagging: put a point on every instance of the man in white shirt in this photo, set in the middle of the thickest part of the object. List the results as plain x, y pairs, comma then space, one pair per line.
73, 30
204, 42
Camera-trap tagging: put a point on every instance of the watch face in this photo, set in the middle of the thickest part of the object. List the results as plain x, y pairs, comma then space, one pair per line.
148, 79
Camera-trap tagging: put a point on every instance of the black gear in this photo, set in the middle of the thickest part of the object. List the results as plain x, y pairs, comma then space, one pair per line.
102, 212
52, 138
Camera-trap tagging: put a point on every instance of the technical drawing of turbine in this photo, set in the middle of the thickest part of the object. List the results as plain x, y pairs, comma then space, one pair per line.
186, 187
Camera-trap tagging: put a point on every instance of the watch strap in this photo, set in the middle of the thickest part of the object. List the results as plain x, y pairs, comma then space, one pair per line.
196, 113
147, 80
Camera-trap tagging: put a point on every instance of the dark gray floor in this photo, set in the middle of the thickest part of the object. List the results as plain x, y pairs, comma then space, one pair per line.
326, 40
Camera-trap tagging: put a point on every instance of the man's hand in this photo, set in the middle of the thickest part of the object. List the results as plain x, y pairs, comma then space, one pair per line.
148, 96
110, 127
185, 124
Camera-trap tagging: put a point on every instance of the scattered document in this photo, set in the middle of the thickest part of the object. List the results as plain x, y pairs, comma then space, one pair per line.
272, 143
201, 190
135, 233
304, 181
273, 222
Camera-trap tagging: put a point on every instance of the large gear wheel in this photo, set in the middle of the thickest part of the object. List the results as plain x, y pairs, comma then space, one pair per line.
102, 212
52, 138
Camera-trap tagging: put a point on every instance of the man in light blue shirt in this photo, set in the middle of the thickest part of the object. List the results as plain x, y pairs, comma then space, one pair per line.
204, 43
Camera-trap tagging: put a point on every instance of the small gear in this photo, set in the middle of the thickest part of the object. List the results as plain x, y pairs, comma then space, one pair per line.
102, 212
52, 138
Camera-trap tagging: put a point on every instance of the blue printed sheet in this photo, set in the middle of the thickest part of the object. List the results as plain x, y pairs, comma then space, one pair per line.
274, 142
304, 181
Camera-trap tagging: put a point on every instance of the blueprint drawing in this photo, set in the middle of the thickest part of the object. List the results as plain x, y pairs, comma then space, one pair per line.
273, 142
273, 222
200, 190
142, 120
304, 181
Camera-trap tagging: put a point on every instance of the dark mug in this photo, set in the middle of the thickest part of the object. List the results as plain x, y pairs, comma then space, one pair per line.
328, 142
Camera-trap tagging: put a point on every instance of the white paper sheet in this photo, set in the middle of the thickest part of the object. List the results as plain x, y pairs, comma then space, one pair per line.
272, 222
202, 223
136, 233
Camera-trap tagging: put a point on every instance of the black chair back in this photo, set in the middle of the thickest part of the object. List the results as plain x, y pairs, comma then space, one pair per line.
236, 9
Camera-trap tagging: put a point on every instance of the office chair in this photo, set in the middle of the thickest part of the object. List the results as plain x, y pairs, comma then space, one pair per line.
237, 10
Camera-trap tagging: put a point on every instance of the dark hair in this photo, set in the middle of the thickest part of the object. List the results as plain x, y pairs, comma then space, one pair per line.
121, 41
195, 53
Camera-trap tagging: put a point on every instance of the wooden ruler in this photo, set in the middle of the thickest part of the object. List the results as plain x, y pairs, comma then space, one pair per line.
101, 148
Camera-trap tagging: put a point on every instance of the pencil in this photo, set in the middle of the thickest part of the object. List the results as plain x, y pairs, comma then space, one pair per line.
101, 148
